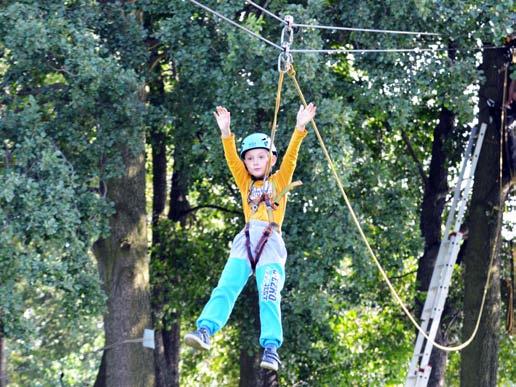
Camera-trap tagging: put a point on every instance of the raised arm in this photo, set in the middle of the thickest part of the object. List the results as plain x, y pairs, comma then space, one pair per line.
223, 117
305, 115
235, 164
288, 164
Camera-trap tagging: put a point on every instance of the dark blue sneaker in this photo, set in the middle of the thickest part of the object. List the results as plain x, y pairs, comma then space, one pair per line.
199, 339
270, 359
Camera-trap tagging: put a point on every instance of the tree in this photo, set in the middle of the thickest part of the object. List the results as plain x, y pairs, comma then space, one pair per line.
479, 364
74, 106
122, 257
70, 122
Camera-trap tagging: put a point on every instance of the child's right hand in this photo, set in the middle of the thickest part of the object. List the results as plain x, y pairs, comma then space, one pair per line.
305, 115
223, 117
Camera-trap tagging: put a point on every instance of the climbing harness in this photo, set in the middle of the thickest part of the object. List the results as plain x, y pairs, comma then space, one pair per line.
265, 196
258, 250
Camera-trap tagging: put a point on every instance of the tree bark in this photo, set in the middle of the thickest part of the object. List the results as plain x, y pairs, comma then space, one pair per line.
251, 375
124, 270
270, 378
159, 178
166, 369
249, 362
435, 191
479, 362
179, 206
168, 337
166, 372
3, 362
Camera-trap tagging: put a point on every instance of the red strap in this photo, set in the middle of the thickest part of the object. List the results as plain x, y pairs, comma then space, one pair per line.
259, 247
248, 247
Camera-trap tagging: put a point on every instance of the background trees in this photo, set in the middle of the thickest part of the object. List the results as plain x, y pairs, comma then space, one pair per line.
83, 82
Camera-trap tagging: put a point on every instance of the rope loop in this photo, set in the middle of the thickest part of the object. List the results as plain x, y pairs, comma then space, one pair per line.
354, 217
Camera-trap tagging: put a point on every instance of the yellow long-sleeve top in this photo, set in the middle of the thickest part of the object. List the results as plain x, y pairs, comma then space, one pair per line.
280, 179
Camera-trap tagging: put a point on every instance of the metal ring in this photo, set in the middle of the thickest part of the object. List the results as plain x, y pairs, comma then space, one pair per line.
290, 32
284, 61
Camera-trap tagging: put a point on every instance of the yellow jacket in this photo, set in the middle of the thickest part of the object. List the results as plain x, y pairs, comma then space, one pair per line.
280, 179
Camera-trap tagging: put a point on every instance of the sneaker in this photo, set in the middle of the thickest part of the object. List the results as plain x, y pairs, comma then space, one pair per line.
199, 339
270, 359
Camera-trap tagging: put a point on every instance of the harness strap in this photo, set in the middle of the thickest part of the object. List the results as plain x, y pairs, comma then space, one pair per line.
288, 188
259, 247
248, 247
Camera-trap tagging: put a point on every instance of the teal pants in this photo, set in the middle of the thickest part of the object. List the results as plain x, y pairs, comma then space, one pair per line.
269, 278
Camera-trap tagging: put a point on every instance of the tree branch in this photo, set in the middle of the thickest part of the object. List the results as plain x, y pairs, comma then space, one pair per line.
42, 90
403, 275
412, 153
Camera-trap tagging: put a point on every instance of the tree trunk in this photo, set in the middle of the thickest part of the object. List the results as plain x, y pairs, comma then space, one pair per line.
166, 369
169, 335
249, 363
479, 362
123, 267
159, 178
270, 378
3, 362
166, 373
251, 375
436, 189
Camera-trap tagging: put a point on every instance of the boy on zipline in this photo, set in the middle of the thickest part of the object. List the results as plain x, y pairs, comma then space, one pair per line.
259, 247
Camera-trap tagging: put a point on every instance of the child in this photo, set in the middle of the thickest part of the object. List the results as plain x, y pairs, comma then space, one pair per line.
259, 247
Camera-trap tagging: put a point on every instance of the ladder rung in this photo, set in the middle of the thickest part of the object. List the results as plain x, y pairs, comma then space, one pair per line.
434, 288
419, 354
433, 309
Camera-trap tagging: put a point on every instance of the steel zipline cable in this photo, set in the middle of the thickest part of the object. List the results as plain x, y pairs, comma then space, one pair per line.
236, 24
363, 50
257, 6
337, 28
336, 51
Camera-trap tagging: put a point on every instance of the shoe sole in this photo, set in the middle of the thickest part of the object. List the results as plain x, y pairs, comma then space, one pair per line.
269, 366
194, 342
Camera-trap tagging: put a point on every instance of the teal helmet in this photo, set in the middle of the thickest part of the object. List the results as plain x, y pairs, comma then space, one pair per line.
257, 141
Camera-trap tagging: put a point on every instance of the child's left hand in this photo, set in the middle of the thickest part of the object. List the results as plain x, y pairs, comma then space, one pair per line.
305, 115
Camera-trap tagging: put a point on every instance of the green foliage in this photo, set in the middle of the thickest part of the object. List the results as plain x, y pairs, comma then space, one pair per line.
72, 75
367, 105
68, 100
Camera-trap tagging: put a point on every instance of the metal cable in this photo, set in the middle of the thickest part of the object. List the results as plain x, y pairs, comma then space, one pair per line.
236, 24
265, 11
361, 51
339, 28
368, 50
364, 29
333, 51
